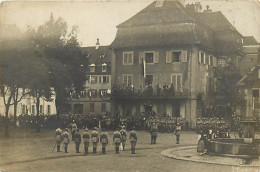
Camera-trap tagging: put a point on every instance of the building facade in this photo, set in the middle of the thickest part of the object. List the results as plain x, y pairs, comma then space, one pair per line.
96, 96
166, 56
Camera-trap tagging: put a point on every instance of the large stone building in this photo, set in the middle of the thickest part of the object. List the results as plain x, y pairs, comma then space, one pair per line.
166, 57
96, 96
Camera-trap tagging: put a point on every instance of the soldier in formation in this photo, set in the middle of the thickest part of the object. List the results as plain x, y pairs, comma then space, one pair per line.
58, 137
123, 136
117, 140
77, 140
66, 140
95, 139
133, 140
86, 138
154, 133
104, 140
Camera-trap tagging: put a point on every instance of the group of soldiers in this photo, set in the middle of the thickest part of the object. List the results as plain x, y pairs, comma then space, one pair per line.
119, 137
213, 127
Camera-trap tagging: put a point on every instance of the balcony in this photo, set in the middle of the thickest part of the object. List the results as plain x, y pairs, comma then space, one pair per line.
148, 93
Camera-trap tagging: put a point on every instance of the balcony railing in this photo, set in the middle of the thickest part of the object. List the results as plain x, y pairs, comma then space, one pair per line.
131, 92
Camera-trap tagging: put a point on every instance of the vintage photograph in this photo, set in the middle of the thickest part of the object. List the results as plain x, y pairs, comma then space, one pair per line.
130, 85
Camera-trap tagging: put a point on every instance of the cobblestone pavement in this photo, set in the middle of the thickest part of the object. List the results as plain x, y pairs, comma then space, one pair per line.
27, 150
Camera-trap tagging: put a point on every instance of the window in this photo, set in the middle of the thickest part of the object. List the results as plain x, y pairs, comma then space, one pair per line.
176, 56
127, 80
127, 58
149, 56
41, 109
161, 108
202, 57
103, 107
48, 109
211, 60
221, 62
206, 59
33, 109
105, 79
93, 79
91, 108
177, 81
92, 68
92, 93
104, 67
149, 80
103, 93
255, 94
23, 109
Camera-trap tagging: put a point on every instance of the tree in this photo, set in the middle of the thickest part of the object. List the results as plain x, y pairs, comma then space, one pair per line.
61, 49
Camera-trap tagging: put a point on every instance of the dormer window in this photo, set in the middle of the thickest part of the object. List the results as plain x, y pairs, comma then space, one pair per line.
92, 67
104, 67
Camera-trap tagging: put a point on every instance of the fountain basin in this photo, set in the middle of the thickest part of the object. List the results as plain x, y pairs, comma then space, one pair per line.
233, 147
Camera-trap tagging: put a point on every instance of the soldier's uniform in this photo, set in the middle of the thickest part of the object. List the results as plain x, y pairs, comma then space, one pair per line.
86, 138
66, 140
178, 133
117, 140
104, 140
95, 139
77, 140
154, 133
123, 136
133, 140
73, 129
58, 137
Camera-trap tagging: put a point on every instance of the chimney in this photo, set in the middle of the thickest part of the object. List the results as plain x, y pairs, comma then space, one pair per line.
97, 44
192, 8
207, 10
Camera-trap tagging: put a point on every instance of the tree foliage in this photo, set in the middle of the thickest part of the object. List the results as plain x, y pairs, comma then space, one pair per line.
60, 48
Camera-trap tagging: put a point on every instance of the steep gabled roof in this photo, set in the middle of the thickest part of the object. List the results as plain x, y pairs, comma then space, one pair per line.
169, 12
250, 40
100, 55
216, 21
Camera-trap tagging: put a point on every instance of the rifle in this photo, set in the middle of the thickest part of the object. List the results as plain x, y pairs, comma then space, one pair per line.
54, 146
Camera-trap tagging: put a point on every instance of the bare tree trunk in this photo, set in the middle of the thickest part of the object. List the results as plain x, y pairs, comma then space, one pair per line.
6, 121
38, 115
15, 114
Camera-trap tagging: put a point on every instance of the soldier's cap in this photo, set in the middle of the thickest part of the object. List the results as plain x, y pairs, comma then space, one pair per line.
95, 128
86, 129
66, 129
123, 126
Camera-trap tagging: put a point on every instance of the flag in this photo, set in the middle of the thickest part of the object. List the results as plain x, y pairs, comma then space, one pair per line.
143, 68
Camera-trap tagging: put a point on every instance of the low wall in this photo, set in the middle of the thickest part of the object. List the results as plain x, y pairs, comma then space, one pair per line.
234, 147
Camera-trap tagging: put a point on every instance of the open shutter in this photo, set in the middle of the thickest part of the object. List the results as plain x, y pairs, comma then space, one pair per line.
156, 57
141, 56
168, 57
184, 56
214, 61
199, 56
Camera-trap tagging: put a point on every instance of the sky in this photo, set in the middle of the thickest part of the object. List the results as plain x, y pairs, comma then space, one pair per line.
99, 18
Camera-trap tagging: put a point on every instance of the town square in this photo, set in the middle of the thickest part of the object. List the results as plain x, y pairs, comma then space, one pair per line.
154, 85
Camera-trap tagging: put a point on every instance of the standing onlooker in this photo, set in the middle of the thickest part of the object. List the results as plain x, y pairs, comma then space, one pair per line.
201, 143
133, 140
178, 133
77, 140
73, 129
